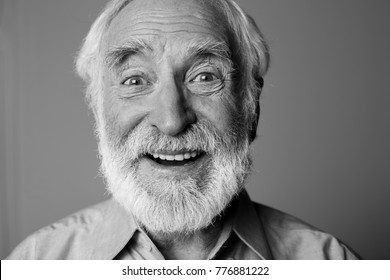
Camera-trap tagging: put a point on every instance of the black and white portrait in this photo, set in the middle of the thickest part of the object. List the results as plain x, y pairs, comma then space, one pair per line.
194, 129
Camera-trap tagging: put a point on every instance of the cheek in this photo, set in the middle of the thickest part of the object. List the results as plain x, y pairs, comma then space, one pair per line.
220, 111
120, 117
113, 128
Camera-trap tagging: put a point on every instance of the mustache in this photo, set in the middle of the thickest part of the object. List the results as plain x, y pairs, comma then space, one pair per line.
201, 136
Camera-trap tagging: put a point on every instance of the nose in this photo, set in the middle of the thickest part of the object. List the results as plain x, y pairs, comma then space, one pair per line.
172, 111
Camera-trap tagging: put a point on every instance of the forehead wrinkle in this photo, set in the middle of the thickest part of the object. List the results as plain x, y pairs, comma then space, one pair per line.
202, 11
155, 28
115, 55
145, 19
158, 32
199, 24
208, 47
163, 17
177, 23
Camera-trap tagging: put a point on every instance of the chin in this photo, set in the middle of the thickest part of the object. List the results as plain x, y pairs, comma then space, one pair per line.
175, 197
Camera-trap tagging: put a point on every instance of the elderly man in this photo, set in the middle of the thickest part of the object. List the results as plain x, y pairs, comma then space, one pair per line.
174, 86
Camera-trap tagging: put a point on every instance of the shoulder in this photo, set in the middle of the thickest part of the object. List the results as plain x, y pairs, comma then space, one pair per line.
68, 238
292, 238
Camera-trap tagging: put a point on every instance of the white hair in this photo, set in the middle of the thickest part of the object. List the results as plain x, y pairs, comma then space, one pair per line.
248, 49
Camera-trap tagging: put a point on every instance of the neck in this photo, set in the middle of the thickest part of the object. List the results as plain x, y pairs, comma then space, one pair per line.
196, 245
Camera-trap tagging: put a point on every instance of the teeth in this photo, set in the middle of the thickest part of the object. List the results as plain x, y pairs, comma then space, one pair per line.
178, 157
169, 157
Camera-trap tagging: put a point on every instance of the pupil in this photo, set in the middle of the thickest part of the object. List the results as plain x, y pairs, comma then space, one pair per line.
205, 77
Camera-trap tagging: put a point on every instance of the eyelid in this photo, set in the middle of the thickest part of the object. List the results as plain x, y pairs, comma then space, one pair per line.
206, 88
204, 73
134, 77
131, 70
129, 91
136, 73
204, 68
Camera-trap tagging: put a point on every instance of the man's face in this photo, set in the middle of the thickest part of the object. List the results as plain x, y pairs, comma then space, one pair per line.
172, 134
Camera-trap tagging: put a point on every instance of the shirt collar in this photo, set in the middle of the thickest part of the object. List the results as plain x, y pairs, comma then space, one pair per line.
249, 227
118, 227
115, 231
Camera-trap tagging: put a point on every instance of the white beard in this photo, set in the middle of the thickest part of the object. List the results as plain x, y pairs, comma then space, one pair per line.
175, 205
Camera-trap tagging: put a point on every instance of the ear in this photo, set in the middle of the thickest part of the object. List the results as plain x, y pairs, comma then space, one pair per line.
253, 131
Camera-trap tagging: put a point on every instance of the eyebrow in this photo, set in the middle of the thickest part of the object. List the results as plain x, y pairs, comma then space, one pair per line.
116, 56
209, 48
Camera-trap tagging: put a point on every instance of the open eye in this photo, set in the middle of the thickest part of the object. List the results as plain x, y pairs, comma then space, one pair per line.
135, 81
204, 77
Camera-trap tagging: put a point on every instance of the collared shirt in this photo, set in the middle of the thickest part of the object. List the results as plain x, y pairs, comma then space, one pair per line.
251, 231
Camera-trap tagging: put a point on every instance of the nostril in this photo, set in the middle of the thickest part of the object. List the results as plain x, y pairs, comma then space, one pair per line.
173, 121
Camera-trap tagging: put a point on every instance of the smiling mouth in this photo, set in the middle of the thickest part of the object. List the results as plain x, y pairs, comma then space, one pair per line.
175, 159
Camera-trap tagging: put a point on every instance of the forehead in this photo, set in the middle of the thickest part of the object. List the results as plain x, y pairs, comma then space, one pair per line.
162, 20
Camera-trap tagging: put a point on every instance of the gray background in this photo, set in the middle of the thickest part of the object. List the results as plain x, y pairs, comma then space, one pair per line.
323, 149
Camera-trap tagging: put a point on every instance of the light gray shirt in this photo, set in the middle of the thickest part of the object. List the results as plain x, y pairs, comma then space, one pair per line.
251, 231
